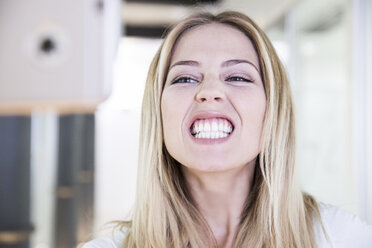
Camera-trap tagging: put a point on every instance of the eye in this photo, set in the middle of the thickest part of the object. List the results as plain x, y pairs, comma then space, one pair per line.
184, 80
239, 79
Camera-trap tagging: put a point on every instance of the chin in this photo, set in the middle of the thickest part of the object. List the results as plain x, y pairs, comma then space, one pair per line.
215, 166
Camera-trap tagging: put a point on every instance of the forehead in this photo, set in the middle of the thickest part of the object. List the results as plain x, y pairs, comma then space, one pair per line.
215, 40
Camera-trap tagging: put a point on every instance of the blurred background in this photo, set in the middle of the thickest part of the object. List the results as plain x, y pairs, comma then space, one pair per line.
72, 75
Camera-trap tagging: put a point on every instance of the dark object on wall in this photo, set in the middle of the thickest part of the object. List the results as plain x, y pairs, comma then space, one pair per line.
74, 203
183, 2
86, 181
145, 31
15, 220
153, 17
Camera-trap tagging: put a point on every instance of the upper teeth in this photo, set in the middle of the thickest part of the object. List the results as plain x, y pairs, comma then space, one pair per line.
213, 128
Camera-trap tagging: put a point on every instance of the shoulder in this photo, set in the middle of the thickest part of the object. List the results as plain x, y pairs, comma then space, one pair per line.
343, 229
115, 241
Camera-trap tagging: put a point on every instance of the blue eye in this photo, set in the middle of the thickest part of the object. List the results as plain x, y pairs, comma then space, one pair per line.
184, 80
239, 79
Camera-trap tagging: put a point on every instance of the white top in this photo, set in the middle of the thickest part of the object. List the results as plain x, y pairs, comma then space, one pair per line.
344, 230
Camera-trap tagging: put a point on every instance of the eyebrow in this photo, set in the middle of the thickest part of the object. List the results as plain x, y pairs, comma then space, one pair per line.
239, 61
185, 62
224, 64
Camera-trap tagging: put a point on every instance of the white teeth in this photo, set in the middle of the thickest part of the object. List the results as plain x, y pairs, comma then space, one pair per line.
226, 127
220, 125
207, 127
213, 128
223, 135
213, 134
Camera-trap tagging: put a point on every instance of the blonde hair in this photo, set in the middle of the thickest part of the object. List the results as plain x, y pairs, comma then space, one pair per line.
276, 214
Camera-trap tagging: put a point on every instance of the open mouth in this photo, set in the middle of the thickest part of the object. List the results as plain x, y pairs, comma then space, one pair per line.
211, 128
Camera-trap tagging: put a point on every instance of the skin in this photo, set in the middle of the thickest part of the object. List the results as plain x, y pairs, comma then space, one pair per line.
223, 78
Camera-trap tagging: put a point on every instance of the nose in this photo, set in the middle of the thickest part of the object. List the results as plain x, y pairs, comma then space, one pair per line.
209, 91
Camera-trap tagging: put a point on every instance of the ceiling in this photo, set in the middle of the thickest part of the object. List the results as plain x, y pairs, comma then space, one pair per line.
151, 17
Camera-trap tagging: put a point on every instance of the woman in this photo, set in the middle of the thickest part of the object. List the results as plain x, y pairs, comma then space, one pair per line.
217, 150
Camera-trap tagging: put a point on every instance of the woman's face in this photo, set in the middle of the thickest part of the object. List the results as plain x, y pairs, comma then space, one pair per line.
213, 103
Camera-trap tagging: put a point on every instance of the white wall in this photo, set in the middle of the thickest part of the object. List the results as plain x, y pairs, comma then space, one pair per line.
117, 132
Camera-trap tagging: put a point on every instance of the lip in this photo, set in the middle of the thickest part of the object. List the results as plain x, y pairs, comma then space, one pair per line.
209, 115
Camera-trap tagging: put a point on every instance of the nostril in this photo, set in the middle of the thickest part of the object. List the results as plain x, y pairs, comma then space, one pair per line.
209, 95
202, 99
205, 99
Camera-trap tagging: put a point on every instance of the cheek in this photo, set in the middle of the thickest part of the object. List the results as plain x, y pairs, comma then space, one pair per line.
253, 114
172, 112
258, 112
166, 113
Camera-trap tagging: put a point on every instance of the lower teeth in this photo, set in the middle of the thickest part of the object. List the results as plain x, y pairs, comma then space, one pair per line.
211, 135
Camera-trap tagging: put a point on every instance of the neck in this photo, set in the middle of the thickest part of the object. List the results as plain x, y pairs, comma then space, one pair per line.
220, 197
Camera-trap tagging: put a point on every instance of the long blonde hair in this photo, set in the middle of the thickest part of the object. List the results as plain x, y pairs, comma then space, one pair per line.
277, 214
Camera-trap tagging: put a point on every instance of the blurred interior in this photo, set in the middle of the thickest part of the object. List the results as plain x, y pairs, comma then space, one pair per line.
326, 48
